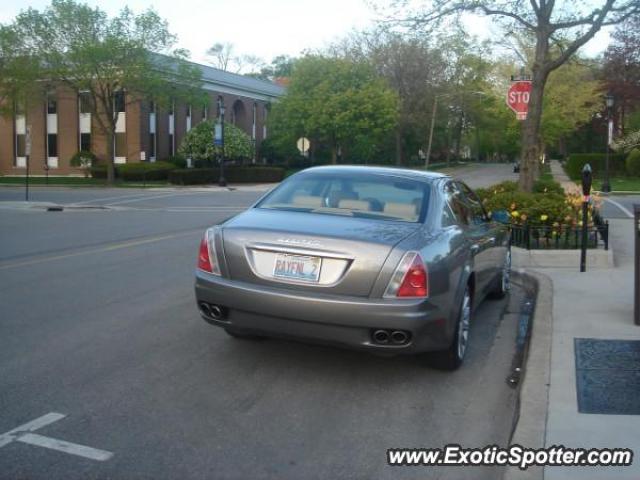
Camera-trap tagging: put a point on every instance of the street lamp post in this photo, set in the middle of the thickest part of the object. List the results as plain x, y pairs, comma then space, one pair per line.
222, 181
606, 186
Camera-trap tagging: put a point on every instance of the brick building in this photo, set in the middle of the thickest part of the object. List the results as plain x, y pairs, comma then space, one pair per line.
62, 125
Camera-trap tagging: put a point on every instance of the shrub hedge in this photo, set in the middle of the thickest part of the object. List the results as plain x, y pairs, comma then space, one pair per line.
575, 162
233, 174
139, 171
632, 163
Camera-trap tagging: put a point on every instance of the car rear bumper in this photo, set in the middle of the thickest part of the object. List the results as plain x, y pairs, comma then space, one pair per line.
343, 321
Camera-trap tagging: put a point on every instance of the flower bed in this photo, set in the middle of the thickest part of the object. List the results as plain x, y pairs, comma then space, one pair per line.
546, 219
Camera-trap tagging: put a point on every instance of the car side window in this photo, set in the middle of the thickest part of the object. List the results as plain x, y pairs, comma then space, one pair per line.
456, 210
478, 214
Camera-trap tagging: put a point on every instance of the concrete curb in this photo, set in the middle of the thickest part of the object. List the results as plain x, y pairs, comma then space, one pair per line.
596, 258
530, 429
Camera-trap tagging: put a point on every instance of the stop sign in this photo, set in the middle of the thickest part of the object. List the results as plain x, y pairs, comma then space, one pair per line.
518, 98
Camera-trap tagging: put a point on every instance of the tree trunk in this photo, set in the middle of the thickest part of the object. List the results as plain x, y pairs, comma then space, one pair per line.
399, 145
111, 171
334, 154
530, 154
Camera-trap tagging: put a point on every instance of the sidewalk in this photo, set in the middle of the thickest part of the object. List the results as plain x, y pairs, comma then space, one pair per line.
596, 304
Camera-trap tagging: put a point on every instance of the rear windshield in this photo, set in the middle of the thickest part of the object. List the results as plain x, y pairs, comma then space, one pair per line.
361, 195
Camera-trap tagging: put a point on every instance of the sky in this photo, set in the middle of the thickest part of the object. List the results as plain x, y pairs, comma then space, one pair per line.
265, 28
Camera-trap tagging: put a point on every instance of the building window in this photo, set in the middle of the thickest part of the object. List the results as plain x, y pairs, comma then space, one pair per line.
85, 142
171, 151
205, 113
21, 145
52, 106
85, 102
119, 103
188, 110
121, 144
152, 107
52, 145
152, 145
19, 108
170, 111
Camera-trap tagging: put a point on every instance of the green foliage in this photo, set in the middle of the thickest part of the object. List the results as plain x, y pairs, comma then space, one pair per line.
632, 163
547, 185
334, 101
575, 162
145, 171
178, 160
82, 159
139, 171
233, 174
198, 143
507, 186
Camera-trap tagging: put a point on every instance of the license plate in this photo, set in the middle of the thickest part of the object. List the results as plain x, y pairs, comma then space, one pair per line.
297, 267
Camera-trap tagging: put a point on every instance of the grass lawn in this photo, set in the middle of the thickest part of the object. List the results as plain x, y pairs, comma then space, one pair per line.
618, 184
77, 182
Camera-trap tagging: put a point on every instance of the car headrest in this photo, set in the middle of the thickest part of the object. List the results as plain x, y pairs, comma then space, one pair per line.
403, 210
355, 204
307, 201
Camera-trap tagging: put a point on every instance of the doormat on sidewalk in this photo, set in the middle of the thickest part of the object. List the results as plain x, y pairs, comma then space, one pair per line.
608, 376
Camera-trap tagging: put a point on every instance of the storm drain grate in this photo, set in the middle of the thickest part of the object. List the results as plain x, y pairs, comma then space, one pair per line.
608, 376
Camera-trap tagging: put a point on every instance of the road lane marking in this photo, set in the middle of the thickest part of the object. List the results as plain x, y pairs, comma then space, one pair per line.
30, 427
110, 248
23, 434
153, 197
66, 447
119, 197
624, 209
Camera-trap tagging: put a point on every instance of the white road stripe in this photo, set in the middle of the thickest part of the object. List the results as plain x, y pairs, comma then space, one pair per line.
66, 447
119, 197
39, 422
624, 209
154, 197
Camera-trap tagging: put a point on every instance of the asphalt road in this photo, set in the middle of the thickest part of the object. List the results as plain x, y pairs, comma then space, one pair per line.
98, 323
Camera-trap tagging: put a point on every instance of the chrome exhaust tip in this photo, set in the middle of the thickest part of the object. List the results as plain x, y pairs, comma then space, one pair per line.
216, 312
204, 308
399, 337
381, 336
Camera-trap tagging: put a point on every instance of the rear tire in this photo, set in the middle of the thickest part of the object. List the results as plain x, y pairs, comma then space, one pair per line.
242, 336
503, 283
452, 358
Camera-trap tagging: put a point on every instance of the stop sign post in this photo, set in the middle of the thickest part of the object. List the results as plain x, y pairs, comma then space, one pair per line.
518, 98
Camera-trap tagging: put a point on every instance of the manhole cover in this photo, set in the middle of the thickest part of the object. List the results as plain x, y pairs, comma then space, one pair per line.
608, 376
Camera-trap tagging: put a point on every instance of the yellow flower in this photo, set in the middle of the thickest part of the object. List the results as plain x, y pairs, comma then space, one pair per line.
544, 217
515, 213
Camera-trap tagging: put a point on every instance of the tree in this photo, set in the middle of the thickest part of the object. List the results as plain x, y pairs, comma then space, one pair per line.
85, 50
568, 24
335, 101
223, 56
198, 143
18, 72
621, 72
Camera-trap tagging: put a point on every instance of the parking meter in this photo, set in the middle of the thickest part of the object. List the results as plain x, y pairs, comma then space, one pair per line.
586, 180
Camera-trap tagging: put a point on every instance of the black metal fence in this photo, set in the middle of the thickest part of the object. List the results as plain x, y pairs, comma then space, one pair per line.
537, 237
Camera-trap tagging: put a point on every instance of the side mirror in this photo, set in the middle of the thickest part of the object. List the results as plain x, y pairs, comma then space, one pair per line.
501, 216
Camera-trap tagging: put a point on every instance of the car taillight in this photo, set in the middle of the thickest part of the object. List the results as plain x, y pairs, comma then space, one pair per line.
207, 258
410, 278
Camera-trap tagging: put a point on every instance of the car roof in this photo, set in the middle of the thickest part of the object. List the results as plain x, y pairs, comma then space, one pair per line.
388, 171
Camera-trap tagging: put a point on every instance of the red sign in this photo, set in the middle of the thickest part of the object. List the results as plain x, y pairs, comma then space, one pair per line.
518, 98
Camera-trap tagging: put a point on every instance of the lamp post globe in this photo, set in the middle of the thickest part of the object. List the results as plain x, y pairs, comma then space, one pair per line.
610, 100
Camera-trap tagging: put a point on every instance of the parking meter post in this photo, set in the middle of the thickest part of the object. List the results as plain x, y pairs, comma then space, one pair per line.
586, 192
636, 268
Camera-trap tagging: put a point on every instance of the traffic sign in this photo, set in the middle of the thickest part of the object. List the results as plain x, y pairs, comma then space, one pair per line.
518, 98
303, 145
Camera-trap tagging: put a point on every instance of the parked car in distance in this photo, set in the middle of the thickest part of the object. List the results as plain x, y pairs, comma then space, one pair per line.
516, 167
380, 259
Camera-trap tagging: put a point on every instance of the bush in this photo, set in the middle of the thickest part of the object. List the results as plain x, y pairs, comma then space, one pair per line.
198, 143
632, 163
144, 171
200, 176
178, 160
100, 171
83, 159
547, 185
502, 187
575, 162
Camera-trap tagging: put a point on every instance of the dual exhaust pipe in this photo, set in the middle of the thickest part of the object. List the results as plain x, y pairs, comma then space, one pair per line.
216, 312
393, 337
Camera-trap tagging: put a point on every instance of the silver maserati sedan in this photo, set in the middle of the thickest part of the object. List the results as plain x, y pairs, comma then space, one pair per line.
379, 259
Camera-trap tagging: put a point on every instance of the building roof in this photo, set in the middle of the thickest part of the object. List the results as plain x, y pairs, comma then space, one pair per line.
216, 76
